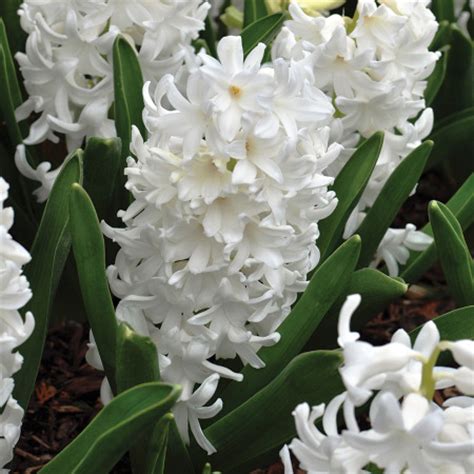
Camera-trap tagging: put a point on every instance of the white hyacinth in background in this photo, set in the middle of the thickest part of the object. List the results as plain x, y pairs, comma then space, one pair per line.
14, 294
220, 238
409, 432
375, 68
68, 71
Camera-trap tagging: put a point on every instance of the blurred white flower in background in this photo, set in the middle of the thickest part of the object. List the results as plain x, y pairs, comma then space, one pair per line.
14, 294
409, 432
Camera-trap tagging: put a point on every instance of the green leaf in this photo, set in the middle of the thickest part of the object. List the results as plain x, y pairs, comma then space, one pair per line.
453, 138
329, 281
377, 291
349, 186
8, 14
104, 441
261, 31
460, 71
209, 36
453, 326
177, 455
89, 253
264, 423
442, 36
462, 206
154, 456
436, 79
101, 162
137, 359
453, 253
49, 253
128, 85
137, 362
387, 205
254, 10
443, 10
11, 97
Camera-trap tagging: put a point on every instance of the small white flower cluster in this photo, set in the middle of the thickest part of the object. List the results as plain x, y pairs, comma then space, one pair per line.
409, 432
14, 294
220, 238
67, 67
375, 67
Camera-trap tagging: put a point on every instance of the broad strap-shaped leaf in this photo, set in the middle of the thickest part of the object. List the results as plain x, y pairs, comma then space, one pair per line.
101, 165
444, 10
101, 445
394, 193
155, 453
128, 85
453, 253
436, 79
329, 282
11, 97
264, 422
254, 10
453, 138
442, 36
89, 253
349, 186
137, 359
263, 30
377, 291
177, 455
460, 70
9, 15
462, 206
453, 326
48, 257
137, 362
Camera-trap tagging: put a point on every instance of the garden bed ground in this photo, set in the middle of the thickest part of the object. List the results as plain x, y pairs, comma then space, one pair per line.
66, 396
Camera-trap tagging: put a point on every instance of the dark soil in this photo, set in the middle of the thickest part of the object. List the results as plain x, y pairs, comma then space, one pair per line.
66, 396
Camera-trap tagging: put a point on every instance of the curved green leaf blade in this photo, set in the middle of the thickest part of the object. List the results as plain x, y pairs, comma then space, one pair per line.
209, 36
453, 138
114, 429
436, 79
11, 97
394, 193
264, 423
137, 362
155, 453
16, 35
49, 253
460, 70
177, 455
349, 186
462, 206
443, 10
329, 281
254, 10
453, 253
101, 164
452, 326
377, 290
89, 253
261, 31
128, 85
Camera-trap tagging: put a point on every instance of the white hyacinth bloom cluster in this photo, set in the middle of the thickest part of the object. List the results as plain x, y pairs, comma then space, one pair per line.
14, 294
409, 432
229, 189
68, 68
375, 67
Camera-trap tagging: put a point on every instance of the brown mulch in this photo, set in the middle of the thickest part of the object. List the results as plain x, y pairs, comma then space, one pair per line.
66, 396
